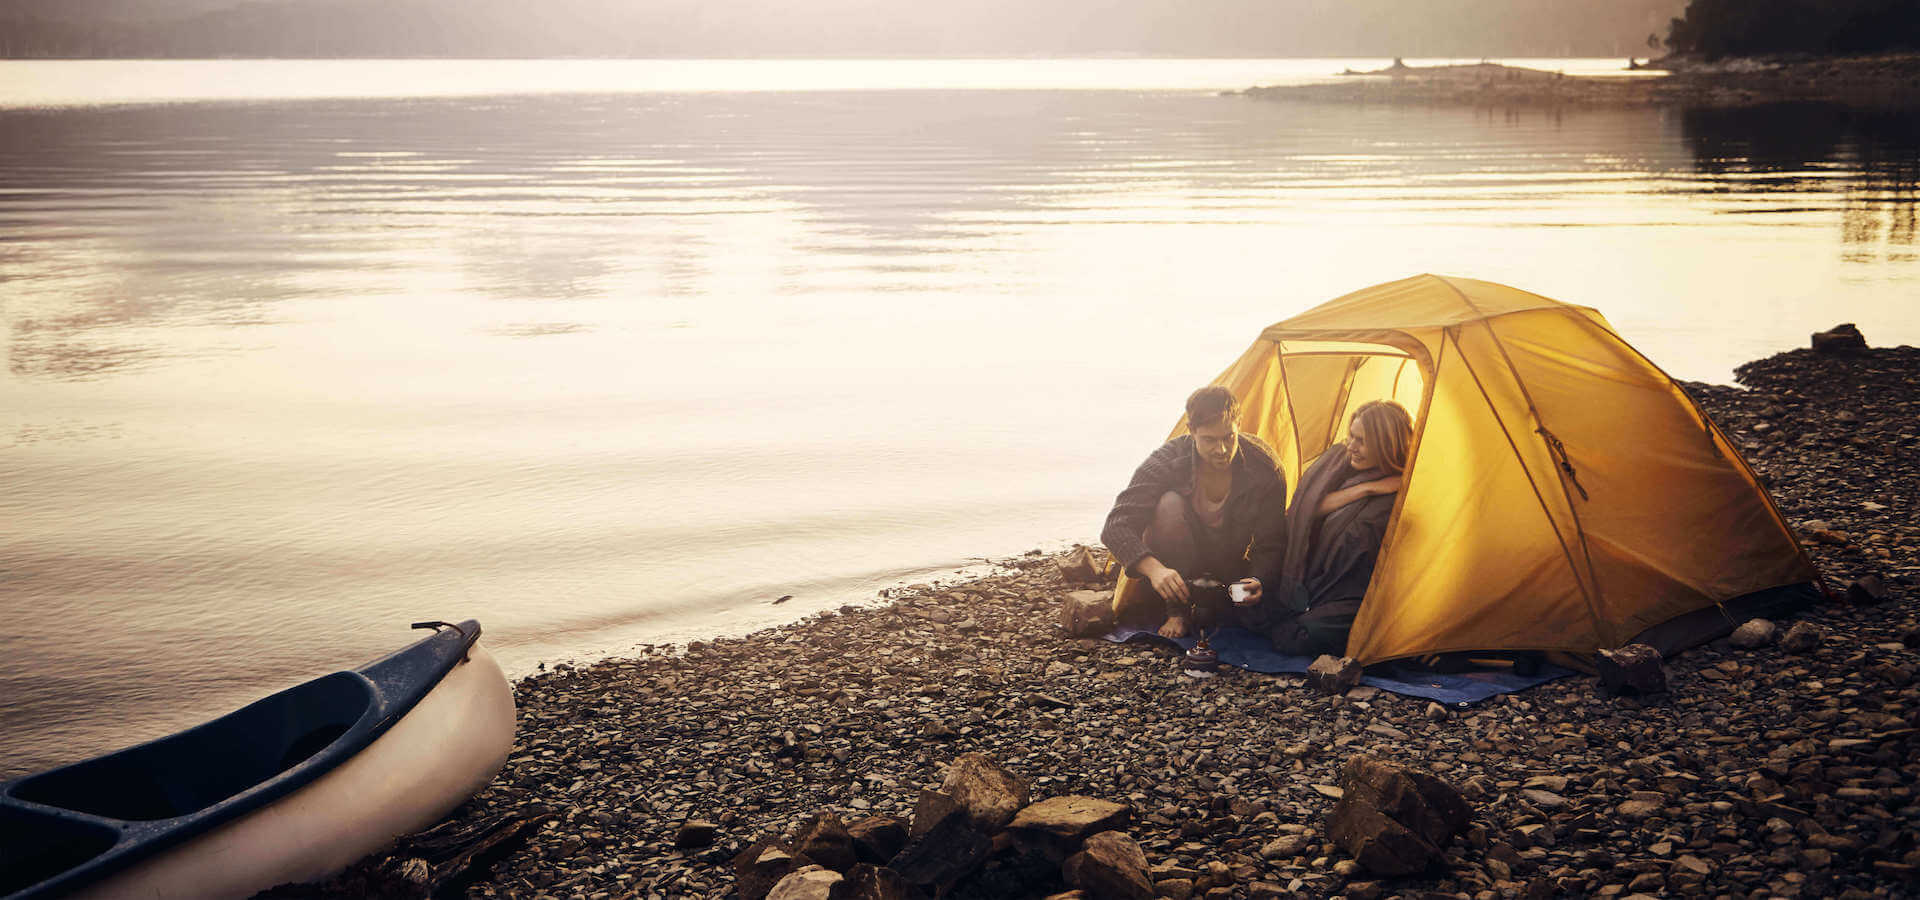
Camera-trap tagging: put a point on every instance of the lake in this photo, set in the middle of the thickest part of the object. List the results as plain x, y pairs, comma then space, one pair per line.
604, 353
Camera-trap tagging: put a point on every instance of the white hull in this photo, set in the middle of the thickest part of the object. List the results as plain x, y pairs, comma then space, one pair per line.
441, 752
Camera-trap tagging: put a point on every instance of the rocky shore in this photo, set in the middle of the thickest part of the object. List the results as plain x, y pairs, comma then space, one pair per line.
1880, 81
1781, 769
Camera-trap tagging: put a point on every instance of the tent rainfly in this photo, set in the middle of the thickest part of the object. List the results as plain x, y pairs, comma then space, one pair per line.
1563, 493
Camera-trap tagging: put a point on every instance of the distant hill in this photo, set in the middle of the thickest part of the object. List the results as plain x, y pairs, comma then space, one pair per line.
736, 28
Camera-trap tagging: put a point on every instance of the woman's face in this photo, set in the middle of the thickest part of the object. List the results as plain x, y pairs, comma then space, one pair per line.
1359, 449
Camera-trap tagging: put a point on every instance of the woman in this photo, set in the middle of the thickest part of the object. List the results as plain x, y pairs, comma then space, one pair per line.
1334, 528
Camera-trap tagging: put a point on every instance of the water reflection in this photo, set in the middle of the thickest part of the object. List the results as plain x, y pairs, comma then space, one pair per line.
1871, 158
213, 214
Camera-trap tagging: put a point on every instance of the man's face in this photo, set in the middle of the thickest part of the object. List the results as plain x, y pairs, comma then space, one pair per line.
1216, 443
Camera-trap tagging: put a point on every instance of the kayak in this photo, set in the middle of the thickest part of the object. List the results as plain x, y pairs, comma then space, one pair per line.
290, 788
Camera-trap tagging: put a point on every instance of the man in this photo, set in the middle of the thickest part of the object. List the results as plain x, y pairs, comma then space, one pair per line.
1197, 508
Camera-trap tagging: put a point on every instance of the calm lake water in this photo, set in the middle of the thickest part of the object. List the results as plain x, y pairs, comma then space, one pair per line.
611, 353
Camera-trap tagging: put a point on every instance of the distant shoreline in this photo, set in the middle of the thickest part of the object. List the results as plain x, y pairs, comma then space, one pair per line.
1876, 81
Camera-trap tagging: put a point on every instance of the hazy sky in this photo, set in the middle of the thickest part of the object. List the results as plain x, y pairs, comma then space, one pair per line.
748, 27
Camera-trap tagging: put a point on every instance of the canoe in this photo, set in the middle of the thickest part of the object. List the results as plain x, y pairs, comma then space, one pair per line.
290, 788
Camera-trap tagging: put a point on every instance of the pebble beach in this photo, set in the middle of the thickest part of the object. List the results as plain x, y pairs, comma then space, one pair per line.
1784, 770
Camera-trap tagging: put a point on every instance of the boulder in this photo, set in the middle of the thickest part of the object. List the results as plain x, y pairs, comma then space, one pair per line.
877, 838
824, 840
1393, 820
932, 808
810, 883
1014, 868
867, 882
1802, 637
1087, 613
1633, 670
1110, 866
1867, 589
1843, 338
1079, 566
1072, 817
938, 858
762, 865
988, 793
1910, 636
1754, 634
1333, 675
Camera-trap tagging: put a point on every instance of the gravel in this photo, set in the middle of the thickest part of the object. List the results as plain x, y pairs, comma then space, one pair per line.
1762, 772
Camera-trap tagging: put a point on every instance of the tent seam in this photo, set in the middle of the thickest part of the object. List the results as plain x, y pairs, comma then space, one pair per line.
1430, 378
1579, 529
1739, 459
1585, 594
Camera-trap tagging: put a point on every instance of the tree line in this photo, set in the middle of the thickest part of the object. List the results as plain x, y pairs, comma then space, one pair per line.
1718, 28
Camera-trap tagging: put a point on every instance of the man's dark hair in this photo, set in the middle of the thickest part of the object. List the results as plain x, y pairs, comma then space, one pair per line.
1210, 404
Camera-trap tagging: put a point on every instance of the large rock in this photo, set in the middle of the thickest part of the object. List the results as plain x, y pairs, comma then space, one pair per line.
1072, 817
1802, 637
1087, 613
1334, 675
1014, 868
810, 883
1843, 338
1633, 670
1754, 634
762, 865
877, 838
989, 793
866, 882
1110, 867
930, 810
824, 840
1079, 566
947, 852
1394, 821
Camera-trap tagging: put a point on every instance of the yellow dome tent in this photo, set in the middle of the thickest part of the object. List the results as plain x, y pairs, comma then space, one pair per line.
1562, 493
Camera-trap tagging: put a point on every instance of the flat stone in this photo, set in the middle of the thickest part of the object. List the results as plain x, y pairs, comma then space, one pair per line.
810, 883
1072, 817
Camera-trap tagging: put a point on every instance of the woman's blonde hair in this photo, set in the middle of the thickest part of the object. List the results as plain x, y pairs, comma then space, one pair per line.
1389, 430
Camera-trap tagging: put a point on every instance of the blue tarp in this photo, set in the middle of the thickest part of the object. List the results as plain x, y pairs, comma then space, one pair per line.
1246, 650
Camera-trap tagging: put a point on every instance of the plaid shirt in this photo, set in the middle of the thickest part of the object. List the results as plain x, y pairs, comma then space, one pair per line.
1255, 512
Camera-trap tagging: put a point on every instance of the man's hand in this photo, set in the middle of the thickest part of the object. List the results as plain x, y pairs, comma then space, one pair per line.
1252, 589
1176, 627
1166, 582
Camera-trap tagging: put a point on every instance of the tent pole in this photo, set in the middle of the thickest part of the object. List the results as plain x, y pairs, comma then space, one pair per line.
1600, 628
